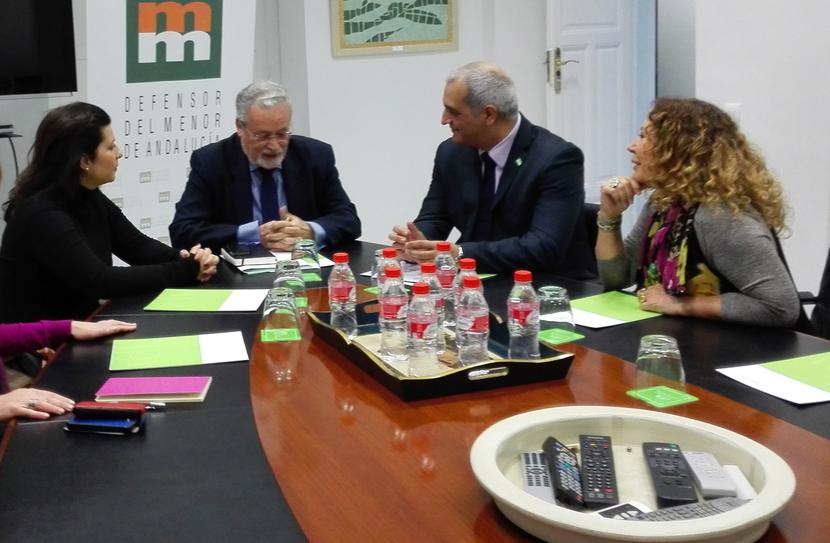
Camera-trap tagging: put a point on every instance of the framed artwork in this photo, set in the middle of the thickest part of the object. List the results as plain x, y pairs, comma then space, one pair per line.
372, 27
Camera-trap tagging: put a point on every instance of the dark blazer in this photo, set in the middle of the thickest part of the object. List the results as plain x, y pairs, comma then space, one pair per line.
537, 210
218, 197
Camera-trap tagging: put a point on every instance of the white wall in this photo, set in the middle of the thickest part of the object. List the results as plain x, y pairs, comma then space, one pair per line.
382, 112
676, 48
770, 57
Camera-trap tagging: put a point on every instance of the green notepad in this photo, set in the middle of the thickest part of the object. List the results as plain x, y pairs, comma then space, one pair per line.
169, 352
180, 299
813, 370
662, 396
163, 352
614, 304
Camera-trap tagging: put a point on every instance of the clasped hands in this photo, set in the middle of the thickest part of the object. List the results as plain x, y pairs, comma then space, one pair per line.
412, 245
281, 235
208, 262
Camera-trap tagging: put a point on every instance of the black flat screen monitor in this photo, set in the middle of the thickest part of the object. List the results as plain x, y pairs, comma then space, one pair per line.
37, 47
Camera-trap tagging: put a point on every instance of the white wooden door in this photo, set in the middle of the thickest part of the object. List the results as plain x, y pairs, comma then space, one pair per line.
606, 92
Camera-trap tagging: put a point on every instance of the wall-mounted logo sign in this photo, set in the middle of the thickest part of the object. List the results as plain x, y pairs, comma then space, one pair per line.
172, 41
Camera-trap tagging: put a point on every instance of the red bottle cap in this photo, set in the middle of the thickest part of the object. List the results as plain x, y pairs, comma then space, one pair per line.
467, 263
442, 246
427, 267
389, 252
341, 258
392, 271
472, 281
522, 276
420, 288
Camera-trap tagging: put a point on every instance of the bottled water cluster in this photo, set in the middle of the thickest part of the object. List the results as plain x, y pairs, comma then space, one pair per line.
447, 299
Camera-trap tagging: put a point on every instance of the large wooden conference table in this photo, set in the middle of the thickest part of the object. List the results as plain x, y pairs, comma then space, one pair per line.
332, 455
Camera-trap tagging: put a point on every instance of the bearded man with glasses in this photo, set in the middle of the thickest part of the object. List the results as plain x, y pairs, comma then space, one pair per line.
263, 185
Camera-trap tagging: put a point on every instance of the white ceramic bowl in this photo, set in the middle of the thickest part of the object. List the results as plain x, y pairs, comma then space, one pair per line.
495, 458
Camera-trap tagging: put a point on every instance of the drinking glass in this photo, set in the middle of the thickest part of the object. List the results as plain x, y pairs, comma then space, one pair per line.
555, 308
290, 275
280, 319
659, 355
376, 267
305, 252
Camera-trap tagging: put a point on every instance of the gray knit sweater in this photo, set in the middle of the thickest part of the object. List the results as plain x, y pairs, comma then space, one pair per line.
742, 250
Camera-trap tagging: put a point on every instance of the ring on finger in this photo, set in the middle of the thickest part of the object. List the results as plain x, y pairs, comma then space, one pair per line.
615, 182
31, 404
641, 295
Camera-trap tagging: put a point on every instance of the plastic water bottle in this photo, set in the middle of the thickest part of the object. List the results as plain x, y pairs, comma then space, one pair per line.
466, 267
281, 322
445, 270
436, 292
392, 319
523, 317
388, 258
422, 327
472, 323
342, 296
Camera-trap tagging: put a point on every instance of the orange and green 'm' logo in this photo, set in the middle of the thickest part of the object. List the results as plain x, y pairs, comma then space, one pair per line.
169, 41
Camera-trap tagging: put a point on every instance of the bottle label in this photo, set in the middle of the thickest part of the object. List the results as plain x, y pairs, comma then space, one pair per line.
479, 323
340, 293
418, 330
391, 309
520, 313
445, 277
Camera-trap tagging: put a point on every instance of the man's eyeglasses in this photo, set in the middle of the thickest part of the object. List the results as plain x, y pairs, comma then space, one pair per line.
261, 137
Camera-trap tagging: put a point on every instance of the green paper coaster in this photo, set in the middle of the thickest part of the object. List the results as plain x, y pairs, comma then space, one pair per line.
279, 334
301, 302
555, 336
662, 396
372, 290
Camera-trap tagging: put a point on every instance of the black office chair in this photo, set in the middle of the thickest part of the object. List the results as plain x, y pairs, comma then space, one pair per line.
820, 319
589, 215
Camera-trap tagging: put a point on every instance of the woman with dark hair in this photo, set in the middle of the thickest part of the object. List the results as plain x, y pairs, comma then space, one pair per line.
705, 244
62, 231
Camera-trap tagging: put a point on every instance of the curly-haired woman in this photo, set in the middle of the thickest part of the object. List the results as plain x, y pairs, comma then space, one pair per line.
705, 244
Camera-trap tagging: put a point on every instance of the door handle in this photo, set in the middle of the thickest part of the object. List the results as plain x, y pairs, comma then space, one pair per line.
557, 68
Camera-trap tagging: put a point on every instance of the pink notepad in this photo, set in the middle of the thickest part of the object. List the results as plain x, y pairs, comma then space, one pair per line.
149, 389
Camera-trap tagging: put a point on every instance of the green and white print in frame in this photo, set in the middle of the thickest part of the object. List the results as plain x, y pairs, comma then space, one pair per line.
371, 27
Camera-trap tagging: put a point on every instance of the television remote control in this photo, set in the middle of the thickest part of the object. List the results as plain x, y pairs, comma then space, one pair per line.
536, 477
709, 476
599, 481
670, 474
564, 468
691, 511
743, 489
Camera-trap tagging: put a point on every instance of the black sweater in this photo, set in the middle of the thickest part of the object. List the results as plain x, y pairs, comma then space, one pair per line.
56, 258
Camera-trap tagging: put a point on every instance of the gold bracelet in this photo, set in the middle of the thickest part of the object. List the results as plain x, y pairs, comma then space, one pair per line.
611, 225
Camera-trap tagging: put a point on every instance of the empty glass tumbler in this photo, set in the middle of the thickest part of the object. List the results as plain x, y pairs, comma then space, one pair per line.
305, 252
659, 355
290, 275
280, 319
555, 308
